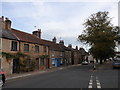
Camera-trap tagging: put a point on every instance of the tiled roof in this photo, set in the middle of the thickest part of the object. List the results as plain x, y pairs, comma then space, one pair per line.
26, 37
7, 34
30, 38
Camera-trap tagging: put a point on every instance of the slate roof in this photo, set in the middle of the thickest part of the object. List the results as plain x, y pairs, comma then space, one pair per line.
7, 34
30, 38
26, 37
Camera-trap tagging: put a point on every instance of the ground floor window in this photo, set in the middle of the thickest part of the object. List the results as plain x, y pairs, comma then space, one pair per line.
42, 61
61, 61
53, 61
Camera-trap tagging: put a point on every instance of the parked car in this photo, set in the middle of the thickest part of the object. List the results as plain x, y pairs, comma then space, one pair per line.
1, 82
116, 62
3, 75
84, 63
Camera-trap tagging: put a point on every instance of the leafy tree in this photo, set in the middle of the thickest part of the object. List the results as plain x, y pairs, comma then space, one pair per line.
100, 34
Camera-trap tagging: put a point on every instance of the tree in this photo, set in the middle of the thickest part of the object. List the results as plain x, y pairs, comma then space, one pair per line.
101, 35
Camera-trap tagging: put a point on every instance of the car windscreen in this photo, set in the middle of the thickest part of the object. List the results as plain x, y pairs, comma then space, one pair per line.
117, 58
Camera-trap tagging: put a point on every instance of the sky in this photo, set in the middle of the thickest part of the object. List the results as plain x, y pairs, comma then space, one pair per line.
62, 19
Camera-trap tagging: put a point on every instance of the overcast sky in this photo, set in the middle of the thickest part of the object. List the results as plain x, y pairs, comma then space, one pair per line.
63, 19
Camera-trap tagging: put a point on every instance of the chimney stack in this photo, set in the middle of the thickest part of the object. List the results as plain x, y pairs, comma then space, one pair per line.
61, 42
7, 23
76, 47
70, 46
54, 39
2, 23
37, 33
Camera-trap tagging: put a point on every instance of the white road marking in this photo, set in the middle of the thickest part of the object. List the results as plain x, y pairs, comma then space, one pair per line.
98, 86
89, 86
98, 83
91, 82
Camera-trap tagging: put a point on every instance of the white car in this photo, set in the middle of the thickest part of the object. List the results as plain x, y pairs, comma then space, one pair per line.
84, 63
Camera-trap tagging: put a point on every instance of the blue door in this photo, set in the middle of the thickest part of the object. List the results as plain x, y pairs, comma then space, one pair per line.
57, 63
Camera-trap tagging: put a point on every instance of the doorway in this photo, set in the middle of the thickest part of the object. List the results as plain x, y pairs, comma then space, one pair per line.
16, 66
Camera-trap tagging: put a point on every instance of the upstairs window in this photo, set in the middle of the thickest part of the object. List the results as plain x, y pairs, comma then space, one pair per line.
44, 50
53, 53
42, 61
26, 47
14, 46
61, 54
37, 49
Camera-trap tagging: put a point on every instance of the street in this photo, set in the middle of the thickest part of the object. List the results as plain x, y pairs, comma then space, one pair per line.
74, 77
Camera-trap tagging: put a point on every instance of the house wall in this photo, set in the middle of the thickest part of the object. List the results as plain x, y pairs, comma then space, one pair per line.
75, 58
79, 57
7, 64
34, 55
55, 55
68, 57
6, 47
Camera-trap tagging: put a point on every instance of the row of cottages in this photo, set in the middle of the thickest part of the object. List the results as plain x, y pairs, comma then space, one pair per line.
23, 52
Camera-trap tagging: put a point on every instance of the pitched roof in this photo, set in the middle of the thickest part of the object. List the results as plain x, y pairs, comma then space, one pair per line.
26, 37
4, 33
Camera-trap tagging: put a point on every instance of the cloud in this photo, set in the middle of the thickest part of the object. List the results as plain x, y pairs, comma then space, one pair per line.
60, 0
60, 19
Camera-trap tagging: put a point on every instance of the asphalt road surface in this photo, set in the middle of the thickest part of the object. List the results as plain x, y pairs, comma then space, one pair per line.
73, 77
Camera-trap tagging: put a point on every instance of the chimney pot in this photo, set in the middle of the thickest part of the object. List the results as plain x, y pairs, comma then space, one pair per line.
76, 47
2, 18
61, 42
54, 39
8, 24
37, 33
70, 46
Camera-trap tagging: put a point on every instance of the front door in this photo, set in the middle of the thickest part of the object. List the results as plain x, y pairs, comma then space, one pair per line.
16, 66
37, 63
47, 63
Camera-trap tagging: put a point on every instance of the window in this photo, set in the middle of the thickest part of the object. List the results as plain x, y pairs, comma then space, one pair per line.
61, 61
26, 47
118, 42
44, 50
37, 49
14, 46
61, 54
42, 61
53, 53
53, 60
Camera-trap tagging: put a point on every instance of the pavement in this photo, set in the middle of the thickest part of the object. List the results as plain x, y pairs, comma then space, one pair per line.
21, 75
